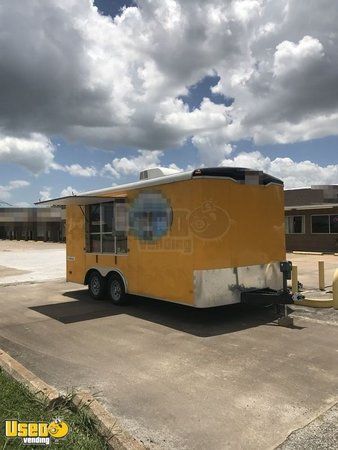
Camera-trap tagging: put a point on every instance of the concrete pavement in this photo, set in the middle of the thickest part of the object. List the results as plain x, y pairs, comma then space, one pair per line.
176, 377
308, 268
27, 262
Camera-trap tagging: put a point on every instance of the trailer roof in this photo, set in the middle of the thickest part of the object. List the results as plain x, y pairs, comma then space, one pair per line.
237, 174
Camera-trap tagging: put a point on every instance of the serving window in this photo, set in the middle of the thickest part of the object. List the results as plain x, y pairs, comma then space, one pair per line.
107, 229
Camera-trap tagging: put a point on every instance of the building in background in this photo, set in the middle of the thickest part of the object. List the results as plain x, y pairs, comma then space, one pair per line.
39, 224
311, 219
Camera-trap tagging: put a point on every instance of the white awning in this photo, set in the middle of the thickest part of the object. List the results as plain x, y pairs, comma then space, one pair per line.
80, 200
318, 206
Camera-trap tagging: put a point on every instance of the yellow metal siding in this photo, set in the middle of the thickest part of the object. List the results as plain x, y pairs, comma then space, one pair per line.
252, 217
254, 223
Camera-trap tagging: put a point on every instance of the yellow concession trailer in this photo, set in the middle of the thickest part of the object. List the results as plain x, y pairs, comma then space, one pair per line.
204, 238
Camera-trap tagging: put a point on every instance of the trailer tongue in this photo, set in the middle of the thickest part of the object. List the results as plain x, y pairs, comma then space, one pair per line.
269, 296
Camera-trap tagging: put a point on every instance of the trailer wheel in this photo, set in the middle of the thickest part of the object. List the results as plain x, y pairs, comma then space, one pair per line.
96, 285
116, 290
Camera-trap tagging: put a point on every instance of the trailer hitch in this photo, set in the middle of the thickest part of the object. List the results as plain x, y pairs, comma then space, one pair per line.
268, 296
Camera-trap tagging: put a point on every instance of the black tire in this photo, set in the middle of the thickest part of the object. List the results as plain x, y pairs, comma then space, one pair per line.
115, 290
97, 285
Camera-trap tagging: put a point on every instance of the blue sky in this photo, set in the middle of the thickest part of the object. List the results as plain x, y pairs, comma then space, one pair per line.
112, 7
77, 149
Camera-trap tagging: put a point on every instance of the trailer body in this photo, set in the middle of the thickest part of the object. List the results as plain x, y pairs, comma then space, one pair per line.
200, 238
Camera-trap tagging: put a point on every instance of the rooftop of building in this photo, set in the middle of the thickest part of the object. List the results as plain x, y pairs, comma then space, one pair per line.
316, 195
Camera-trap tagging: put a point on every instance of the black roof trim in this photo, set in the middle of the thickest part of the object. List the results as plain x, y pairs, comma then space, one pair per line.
236, 173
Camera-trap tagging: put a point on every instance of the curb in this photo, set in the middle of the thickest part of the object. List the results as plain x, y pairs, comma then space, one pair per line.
316, 302
34, 384
303, 252
107, 425
29, 282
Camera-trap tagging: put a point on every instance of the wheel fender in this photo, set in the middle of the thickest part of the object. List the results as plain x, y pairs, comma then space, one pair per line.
105, 272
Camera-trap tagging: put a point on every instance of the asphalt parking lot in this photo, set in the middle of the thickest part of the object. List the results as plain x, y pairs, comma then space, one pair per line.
181, 378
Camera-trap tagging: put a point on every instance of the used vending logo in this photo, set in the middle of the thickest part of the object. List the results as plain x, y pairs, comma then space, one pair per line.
37, 433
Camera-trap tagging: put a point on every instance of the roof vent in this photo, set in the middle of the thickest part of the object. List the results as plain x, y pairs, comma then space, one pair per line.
156, 172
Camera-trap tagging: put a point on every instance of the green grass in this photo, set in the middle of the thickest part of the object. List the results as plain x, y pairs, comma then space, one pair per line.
16, 402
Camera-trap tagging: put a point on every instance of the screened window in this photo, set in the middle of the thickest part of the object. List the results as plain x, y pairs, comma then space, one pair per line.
108, 227
294, 224
325, 223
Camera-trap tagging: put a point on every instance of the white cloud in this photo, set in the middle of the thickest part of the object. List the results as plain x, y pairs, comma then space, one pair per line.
172, 168
145, 159
69, 190
284, 132
290, 56
246, 10
34, 152
294, 174
45, 193
126, 75
23, 205
208, 117
6, 190
131, 166
212, 147
17, 184
75, 169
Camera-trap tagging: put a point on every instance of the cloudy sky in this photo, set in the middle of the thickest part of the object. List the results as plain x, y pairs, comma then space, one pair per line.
93, 92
